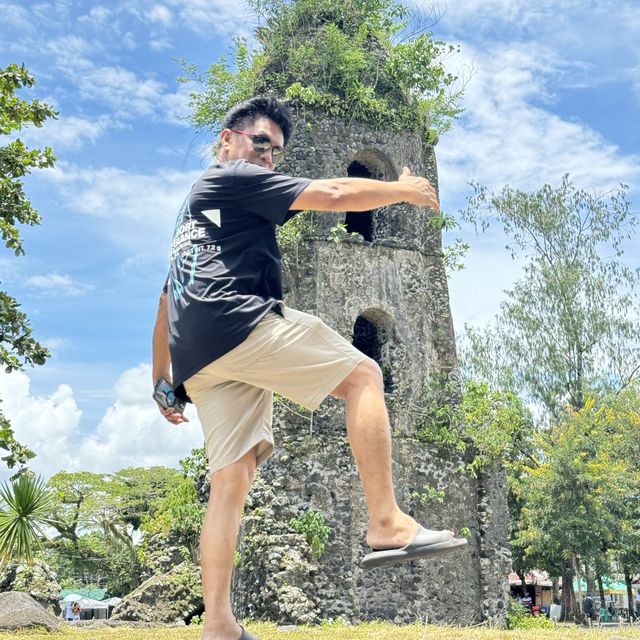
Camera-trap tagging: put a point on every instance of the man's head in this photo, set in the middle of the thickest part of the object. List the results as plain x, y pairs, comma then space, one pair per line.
255, 130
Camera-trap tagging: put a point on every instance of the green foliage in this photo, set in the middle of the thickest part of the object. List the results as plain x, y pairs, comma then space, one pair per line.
581, 497
519, 617
313, 526
96, 561
493, 426
180, 513
453, 254
221, 86
195, 465
340, 57
339, 233
291, 235
16, 160
136, 491
25, 506
429, 494
97, 516
17, 345
567, 327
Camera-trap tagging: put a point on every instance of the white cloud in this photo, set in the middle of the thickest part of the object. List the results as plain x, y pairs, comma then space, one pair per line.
131, 433
129, 96
68, 132
56, 345
160, 44
138, 211
70, 53
505, 138
15, 16
122, 90
229, 18
98, 17
48, 425
602, 35
129, 41
159, 14
56, 284
176, 105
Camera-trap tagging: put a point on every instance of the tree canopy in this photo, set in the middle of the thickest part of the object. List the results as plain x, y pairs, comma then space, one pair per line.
368, 60
568, 326
18, 347
566, 341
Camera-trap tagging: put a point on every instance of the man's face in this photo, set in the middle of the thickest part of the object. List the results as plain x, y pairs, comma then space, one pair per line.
236, 146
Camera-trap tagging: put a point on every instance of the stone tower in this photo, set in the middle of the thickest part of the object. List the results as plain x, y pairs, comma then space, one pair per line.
384, 288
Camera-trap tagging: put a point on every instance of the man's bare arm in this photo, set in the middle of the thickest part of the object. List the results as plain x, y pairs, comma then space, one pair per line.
161, 357
362, 194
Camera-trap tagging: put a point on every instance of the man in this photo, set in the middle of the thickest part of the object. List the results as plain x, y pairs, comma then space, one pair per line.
233, 342
588, 606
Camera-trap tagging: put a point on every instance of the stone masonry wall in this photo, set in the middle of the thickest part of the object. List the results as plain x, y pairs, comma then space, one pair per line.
397, 283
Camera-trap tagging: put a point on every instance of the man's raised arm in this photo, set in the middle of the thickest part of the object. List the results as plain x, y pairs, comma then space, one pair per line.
362, 194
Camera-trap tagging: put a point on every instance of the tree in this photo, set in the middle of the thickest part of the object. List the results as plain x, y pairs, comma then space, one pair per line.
78, 498
99, 518
582, 499
368, 60
565, 331
567, 327
17, 345
25, 506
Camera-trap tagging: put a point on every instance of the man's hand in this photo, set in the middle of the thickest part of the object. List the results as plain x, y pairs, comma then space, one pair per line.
170, 407
173, 416
425, 194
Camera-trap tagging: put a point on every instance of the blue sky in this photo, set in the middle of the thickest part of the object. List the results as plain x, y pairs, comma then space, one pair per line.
552, 87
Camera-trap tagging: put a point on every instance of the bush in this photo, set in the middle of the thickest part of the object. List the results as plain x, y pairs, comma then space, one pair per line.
519, 617
313, 525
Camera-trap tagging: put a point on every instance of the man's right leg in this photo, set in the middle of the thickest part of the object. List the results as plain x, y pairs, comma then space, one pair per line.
229, 488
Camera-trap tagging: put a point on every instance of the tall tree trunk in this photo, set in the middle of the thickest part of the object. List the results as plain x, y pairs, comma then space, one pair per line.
590, 579
522, 577
627, 578
555, 590
578, 614
603, 604
568, 597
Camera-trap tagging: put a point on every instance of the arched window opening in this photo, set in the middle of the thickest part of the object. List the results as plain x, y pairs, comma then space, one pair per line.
372, 164
369, 337
361, 221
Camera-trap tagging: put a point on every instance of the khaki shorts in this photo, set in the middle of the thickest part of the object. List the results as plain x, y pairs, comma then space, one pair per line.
297, 356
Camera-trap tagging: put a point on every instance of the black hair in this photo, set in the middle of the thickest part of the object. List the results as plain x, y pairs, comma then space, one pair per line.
249, 111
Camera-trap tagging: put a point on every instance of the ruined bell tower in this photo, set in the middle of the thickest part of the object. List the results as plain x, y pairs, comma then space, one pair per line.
378, 278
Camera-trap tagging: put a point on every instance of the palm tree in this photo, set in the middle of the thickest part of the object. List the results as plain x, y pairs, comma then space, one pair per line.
25, 507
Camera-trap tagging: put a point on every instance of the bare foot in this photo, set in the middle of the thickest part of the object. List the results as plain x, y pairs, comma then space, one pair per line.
394, 533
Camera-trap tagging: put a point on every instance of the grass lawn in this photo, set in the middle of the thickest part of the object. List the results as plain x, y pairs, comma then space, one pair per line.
373, 631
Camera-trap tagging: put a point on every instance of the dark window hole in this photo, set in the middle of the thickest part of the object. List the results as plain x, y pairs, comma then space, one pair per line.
367, 338
360, 221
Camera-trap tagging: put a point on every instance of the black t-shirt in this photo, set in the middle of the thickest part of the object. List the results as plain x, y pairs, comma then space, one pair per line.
225, 271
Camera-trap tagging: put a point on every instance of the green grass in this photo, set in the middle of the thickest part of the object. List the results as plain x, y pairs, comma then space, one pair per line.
369, 631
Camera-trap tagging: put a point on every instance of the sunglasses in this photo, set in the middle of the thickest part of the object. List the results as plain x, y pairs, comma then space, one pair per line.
262, 143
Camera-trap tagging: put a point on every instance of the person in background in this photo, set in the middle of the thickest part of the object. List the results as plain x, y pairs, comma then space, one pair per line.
68, 611
589, 609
